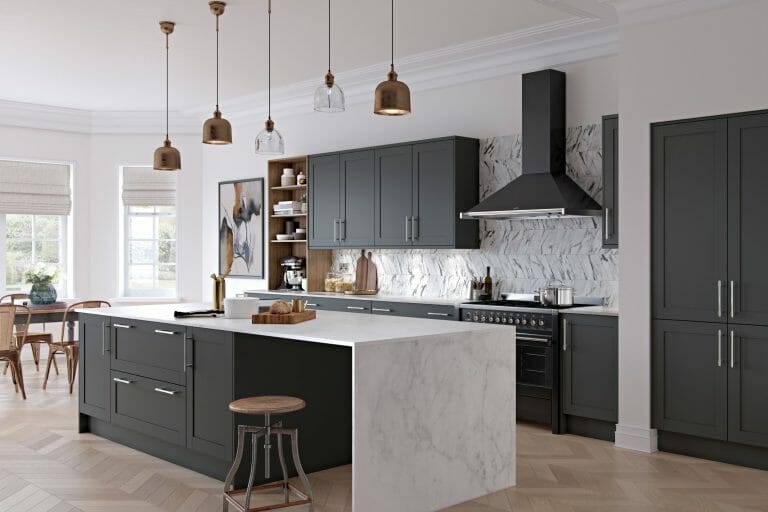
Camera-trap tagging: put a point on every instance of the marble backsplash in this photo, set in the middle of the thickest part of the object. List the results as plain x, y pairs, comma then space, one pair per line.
525, 254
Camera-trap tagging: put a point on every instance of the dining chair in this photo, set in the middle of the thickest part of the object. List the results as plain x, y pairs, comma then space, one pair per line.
67, 347
33, 339
9, 349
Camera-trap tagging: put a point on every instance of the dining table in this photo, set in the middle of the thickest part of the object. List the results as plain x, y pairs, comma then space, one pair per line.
47, 315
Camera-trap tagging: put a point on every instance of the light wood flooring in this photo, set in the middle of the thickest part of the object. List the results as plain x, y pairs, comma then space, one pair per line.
45, 465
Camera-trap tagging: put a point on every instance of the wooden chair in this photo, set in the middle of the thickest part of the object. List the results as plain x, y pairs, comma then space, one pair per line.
9, 350
69, 348
33, 339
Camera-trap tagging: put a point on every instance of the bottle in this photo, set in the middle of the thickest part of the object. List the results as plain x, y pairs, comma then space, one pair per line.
488, 283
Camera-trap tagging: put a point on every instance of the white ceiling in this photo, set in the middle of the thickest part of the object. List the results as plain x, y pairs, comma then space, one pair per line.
108, 54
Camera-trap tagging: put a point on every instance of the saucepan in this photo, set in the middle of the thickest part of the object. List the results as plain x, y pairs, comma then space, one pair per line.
556, 296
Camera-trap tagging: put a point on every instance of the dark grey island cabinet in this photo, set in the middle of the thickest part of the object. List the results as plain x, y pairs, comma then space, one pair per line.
165, 389
710, 287
402, 195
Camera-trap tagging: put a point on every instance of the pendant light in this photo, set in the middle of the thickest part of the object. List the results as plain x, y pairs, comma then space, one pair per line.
393, 98
328, 96
167, 158
269, 141
217, 130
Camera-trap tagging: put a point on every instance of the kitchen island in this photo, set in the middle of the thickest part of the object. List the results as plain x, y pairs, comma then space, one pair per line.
423, 409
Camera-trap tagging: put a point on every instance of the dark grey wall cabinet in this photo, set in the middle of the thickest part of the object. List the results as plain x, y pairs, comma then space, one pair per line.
590, 366
690, 378
748, 384
611, 181
356, 229
95, 346
324, 200
418, 190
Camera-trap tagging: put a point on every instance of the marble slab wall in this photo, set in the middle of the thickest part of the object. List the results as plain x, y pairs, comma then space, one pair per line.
524, 254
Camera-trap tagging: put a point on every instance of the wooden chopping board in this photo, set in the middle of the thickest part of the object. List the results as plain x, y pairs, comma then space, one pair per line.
361, 272
372, 278
289, 318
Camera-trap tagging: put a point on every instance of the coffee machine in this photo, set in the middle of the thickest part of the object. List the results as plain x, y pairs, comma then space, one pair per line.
293, 272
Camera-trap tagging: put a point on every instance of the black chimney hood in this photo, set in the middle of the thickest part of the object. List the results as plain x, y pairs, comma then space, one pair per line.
543, 190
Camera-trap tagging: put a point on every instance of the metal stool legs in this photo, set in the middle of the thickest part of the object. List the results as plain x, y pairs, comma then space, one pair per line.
230, 494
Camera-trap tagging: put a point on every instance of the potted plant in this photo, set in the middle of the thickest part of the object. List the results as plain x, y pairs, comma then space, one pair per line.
303, 200
42, 278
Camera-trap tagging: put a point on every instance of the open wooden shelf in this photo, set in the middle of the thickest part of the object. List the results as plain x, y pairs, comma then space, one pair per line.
288, 241
290, 215
289, 187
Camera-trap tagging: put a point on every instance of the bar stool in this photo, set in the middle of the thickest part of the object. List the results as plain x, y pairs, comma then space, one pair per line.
267, 405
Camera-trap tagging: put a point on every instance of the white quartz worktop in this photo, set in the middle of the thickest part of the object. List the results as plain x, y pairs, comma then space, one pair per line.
336, 328
592, 310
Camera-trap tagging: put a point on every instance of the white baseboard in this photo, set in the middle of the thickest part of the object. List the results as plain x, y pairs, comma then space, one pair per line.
636, 438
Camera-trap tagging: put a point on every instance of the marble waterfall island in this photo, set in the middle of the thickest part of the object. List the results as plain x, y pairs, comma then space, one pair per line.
423, 409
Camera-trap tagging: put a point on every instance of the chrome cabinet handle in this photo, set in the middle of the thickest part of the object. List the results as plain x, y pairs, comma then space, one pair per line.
104, 327
122, 381
414, 228
335, 232
719, 299
309, 304
358, 308
342, 232
407, 223
565, 334
383, 310
432, 313
122, 326
187, 363
165, 391
719, 348
732, 336
606, 229
733, 308
169, 333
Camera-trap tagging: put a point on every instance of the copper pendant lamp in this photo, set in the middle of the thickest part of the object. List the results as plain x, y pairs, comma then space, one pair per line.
393, 97
269, 141
217, 130
167, 158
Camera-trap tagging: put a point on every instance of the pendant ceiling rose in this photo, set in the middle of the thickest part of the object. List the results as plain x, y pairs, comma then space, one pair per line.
167, 158
392, 97
216, 129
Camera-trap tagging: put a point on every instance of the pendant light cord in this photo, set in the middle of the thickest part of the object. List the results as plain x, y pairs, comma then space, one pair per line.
269, 59
217, 62
329, 36
392, 63
166, 87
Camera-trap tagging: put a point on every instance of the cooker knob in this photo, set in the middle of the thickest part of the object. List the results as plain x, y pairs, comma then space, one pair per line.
474, 318
503, 319
541, 322
482, 318
497, 319
517, 321
524, 322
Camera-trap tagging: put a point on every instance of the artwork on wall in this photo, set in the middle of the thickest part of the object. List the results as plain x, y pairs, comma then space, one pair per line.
241, 228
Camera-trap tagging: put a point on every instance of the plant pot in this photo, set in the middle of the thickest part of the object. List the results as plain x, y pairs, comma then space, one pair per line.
42, 293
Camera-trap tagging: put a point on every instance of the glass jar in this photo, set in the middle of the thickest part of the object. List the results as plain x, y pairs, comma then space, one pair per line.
331, 279
346, 280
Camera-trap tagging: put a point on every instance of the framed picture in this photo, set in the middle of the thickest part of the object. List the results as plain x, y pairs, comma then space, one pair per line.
241, 228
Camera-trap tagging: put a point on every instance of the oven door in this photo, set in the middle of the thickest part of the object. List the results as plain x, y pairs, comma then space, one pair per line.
534, 361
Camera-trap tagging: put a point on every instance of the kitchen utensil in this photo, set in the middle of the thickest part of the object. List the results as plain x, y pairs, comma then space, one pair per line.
293, 278
361, 272
556, 296
240, 307
288, 318
565, 296
372, 280
199, 313
219, 288
298, 305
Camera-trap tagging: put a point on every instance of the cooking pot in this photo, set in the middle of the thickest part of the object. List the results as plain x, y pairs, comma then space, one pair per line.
556, 296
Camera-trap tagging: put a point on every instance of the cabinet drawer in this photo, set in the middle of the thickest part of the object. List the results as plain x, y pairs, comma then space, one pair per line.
416, 310
149, 349
149, 406
333, 304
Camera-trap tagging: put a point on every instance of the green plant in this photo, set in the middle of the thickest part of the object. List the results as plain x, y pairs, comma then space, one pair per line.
41, 274
303, 198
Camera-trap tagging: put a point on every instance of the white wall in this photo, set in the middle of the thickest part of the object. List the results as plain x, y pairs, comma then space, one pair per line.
703, 64
481, 109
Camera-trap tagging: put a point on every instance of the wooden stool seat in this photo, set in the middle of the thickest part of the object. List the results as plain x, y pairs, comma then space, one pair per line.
259, 405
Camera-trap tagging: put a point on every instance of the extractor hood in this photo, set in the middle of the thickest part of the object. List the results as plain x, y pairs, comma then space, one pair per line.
543, 190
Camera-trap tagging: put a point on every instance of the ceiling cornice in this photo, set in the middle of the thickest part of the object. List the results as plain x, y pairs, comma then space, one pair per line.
637, 12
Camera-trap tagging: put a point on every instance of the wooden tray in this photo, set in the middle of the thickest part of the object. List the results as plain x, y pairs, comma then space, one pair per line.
289, 318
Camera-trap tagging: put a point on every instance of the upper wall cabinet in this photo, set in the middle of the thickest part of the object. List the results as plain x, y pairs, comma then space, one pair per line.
405, 195
611, 181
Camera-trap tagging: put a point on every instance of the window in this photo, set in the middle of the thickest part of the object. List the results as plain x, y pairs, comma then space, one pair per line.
33, 239
150, 257
149, 233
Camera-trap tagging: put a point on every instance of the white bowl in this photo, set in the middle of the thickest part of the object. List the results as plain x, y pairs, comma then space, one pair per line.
240, 307
285, 237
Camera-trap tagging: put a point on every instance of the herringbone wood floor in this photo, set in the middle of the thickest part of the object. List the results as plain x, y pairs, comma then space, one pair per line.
45, 465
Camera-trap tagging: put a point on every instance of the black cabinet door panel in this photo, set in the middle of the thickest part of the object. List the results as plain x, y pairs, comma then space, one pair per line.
94, 337
748, 385
610, 181
415, 310
357, 199
747, 214
148, 349
434, 211
690, 378
324, 200
689, 210
394, 196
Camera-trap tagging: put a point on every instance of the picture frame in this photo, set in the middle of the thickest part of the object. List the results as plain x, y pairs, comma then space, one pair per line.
241, 228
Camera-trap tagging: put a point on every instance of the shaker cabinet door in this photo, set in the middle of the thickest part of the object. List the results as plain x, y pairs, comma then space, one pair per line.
689, 212
95, 347
394, 196
434, 211
748, 385
357, 198
324, 201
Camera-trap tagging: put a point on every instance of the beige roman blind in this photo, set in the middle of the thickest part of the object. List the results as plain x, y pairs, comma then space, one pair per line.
144, 186
35, 188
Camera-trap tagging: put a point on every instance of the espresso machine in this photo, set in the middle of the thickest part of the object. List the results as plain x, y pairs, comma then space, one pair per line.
293, 272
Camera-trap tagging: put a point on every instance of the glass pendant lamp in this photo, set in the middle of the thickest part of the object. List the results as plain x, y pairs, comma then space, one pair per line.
167, 158
216, 129
269, 141
393, 97
328, 96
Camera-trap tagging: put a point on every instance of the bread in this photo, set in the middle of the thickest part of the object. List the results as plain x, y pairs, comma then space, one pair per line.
280, 307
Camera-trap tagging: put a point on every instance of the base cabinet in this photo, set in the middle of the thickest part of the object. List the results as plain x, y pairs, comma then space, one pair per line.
93, 371
748, 385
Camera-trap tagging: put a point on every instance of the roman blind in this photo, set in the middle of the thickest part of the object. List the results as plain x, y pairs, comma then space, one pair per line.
35, 188
144, 186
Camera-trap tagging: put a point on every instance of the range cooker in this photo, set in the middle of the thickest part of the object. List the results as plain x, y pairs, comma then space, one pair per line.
538, 357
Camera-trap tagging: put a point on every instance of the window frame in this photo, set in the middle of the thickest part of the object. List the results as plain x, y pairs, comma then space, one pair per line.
155, 291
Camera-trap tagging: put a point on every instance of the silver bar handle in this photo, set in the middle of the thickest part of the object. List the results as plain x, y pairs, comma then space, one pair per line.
432, 313
312, 305
342, 232
335, 232
187, 363
357, 308
719, 348
732, 343
122, 326
531, 338
169, 333
122, 381
733, 308
565, 334
407, 223
606, 229
104, 327
165, 391
383, 310
719, 298
414, 228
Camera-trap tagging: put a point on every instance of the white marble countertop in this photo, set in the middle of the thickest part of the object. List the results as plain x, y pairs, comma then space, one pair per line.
331, 327
592, 310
